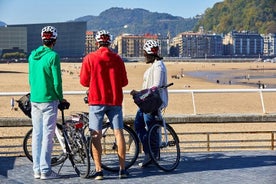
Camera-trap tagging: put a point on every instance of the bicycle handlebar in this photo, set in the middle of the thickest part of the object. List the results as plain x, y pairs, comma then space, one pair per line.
166, 86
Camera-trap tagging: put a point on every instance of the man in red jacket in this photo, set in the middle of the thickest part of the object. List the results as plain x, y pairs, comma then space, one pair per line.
103, 71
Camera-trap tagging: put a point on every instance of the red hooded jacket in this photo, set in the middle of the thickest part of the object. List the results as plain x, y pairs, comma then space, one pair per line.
103, 71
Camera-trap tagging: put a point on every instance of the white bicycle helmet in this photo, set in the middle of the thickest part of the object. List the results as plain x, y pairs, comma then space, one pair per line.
103, 36
48, 33
151, 47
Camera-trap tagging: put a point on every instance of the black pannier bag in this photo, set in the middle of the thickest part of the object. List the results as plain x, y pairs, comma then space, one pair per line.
148, 100
24, 104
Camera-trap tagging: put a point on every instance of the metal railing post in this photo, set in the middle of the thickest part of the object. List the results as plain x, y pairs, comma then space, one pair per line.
193, 99
262, 101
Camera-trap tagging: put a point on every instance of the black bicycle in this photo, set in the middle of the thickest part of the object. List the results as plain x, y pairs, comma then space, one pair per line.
69, 142
163, 142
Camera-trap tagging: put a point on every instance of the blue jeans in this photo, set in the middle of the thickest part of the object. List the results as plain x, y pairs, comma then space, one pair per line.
142, 124
44, 117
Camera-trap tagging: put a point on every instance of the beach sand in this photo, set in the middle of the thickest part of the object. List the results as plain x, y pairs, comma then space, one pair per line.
14, 78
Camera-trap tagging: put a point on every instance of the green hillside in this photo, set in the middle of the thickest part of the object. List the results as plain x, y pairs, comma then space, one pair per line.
252, 15
138, 21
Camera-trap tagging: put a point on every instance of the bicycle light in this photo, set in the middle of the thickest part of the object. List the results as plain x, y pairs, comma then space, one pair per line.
78, 125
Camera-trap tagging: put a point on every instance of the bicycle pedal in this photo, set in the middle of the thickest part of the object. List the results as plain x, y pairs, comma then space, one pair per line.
114, 147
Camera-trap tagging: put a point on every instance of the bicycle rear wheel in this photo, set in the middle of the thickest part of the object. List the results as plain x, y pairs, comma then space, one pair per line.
58, 156
79, 153
110, 160
164, 146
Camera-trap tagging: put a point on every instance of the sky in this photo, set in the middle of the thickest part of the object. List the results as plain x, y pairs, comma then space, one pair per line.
49, 11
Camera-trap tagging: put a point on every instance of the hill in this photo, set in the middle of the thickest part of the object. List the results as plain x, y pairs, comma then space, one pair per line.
251, 15
138, 21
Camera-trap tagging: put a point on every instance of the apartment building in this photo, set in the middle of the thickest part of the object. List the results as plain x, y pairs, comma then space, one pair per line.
243, 44
90, 42
198, 44
269, 44
129, 45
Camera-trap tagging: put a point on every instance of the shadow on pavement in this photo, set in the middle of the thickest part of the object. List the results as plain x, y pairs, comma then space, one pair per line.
219, 161
7, 163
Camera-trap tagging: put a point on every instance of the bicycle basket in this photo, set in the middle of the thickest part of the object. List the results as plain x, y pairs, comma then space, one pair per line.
25, 105
148, 100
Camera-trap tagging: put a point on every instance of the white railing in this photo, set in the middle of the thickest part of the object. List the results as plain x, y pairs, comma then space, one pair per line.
176, 91
192, 92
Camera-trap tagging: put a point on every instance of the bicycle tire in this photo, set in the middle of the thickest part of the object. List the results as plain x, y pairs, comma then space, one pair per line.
58, 156
110, 160
78, 150
166, 155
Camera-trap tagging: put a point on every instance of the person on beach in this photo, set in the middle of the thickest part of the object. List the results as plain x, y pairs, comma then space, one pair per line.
46, 94
103, 71
154, 76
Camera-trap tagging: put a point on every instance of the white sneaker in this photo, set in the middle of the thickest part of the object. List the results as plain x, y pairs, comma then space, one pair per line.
37, 175
146, 161
52, 175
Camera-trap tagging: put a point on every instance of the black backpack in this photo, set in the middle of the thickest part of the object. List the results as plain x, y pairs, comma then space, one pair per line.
24, 104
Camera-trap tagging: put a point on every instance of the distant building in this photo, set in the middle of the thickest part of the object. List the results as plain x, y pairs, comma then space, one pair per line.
71, 37
243, 44
90, 42
198, 45
269, 44
129, 45
13, 37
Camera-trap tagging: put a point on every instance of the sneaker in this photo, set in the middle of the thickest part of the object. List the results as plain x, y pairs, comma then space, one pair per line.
123, 174
52, 175
97, 175
37, 175
146, 161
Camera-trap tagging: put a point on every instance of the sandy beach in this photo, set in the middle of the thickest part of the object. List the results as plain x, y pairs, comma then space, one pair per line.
244, 75
184, 75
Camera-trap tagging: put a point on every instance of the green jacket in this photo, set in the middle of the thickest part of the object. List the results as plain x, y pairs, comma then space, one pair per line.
45, 75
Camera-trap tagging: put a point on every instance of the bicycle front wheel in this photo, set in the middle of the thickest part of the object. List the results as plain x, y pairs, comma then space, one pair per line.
58, 155
79, 153
164, 146
110, 160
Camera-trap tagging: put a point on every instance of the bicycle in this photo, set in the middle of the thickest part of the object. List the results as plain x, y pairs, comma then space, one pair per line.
109, 157
69, 142
164, 152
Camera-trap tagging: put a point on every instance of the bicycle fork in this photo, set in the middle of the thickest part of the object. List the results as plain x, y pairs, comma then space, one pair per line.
163, 144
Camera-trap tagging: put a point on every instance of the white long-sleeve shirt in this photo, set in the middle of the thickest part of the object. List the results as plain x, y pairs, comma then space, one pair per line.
156, 75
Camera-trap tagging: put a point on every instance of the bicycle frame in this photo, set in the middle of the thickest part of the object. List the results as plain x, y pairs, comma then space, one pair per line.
60, 140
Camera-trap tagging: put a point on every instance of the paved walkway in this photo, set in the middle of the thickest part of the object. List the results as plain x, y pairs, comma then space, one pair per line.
246, 167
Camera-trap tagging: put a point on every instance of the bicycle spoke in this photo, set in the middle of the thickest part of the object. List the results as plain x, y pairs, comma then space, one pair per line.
110, 160
79, 155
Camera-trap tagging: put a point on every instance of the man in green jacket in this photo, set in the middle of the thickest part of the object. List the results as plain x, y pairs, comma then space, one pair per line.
46, 93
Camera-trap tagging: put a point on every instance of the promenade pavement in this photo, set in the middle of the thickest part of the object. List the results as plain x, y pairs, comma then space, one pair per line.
239, 167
